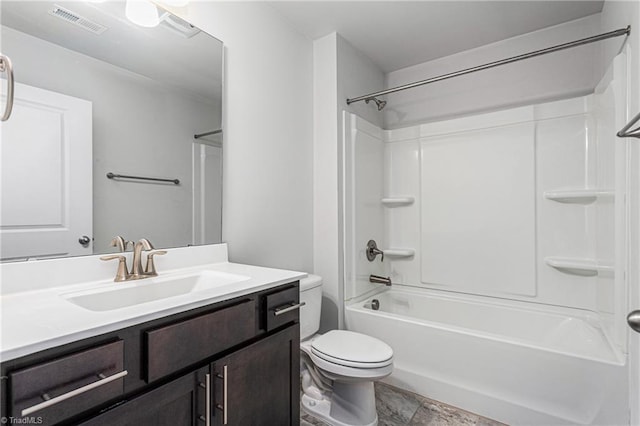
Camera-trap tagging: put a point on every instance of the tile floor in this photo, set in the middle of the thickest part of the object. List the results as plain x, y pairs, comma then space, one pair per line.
397, 407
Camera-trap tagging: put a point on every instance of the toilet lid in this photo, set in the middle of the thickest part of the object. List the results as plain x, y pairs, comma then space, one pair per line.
352, 349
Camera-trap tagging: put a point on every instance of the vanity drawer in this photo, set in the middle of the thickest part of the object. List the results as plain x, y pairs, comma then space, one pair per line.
179, 345
68, 385
281, 307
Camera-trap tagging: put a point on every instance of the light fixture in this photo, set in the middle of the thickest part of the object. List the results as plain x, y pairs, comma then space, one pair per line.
175, 3
142, 12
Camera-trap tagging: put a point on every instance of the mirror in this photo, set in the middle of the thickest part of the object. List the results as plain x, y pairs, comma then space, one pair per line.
97, 95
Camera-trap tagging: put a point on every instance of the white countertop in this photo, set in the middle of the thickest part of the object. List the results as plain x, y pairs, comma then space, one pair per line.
38, 319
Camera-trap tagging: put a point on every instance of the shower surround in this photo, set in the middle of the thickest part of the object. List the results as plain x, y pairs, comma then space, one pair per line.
505, 238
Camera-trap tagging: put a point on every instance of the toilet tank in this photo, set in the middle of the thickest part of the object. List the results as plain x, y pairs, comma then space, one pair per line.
311, 295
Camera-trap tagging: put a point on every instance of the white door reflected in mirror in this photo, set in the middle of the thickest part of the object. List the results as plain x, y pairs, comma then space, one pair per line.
46, 177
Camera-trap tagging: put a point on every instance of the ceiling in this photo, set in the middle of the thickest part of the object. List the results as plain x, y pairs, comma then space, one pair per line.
398, 34
160, 53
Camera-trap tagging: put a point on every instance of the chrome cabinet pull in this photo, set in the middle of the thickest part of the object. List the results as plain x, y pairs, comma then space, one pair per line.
223, 407
71, 394
5, 66
287, 308
208, 395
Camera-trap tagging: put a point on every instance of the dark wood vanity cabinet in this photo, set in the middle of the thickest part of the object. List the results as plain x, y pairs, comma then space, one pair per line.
179, 402
224, 364
259, 384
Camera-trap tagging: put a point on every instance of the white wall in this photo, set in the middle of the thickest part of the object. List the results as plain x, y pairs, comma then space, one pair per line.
139, 128
617, 14
326, 217
268, 159
550, 77
357, 75
339, 71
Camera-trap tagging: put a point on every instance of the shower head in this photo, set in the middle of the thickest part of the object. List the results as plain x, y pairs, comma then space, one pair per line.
379, 103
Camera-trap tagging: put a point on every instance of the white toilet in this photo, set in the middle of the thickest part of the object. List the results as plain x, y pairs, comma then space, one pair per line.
339, 367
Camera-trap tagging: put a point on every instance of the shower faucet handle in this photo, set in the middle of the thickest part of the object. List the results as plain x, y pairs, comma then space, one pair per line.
373, 251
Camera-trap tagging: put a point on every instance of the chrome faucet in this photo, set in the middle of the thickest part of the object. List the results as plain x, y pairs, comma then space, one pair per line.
137, 272
380, 280
142, 244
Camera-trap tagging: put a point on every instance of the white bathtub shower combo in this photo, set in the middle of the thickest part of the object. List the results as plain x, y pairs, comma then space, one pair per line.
504, 236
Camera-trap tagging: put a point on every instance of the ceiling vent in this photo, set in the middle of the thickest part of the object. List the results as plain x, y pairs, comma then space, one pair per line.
74, 18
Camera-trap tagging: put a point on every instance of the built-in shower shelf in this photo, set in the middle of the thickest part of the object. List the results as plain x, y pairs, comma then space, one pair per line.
583, 195
579, 266
398, 201
397, 253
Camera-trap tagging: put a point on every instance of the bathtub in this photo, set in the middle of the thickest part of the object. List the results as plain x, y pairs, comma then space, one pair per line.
506, 360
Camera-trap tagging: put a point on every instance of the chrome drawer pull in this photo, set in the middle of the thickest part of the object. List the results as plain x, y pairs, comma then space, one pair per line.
208, 396
223, 407
287, 308
71, 394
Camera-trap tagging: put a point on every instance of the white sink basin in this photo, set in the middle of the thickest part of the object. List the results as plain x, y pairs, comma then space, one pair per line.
121, 295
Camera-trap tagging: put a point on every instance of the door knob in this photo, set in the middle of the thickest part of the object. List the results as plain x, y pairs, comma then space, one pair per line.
84, 241
633, 319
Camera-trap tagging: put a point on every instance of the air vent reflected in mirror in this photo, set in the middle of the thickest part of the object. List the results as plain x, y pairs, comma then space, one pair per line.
76, 19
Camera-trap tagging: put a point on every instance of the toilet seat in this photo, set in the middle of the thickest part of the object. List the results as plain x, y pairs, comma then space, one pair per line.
345, 355
351, 349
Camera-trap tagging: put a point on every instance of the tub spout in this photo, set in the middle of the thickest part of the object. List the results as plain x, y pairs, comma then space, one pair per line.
380, 280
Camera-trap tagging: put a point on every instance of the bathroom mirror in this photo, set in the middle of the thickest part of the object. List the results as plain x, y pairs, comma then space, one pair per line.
97, 95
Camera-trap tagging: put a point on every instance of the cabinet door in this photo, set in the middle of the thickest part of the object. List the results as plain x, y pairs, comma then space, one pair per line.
260, 384
178, 403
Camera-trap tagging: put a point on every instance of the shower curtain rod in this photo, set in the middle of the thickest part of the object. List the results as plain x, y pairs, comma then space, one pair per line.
576, 43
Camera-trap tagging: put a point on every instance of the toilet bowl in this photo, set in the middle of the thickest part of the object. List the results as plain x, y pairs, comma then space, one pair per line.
338, 368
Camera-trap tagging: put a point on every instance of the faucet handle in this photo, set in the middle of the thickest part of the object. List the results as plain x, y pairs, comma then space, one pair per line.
150, 268
123, 273
373, 250
119, 242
